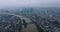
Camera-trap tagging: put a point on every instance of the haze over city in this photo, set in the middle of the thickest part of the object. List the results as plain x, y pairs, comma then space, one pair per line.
29, 15
33, 3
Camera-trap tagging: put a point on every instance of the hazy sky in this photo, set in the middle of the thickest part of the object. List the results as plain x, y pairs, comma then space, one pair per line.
41, 3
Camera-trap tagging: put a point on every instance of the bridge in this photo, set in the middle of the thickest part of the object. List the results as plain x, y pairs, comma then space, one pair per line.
30, 26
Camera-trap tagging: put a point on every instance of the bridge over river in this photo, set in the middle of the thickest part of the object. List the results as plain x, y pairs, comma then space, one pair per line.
30, 26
